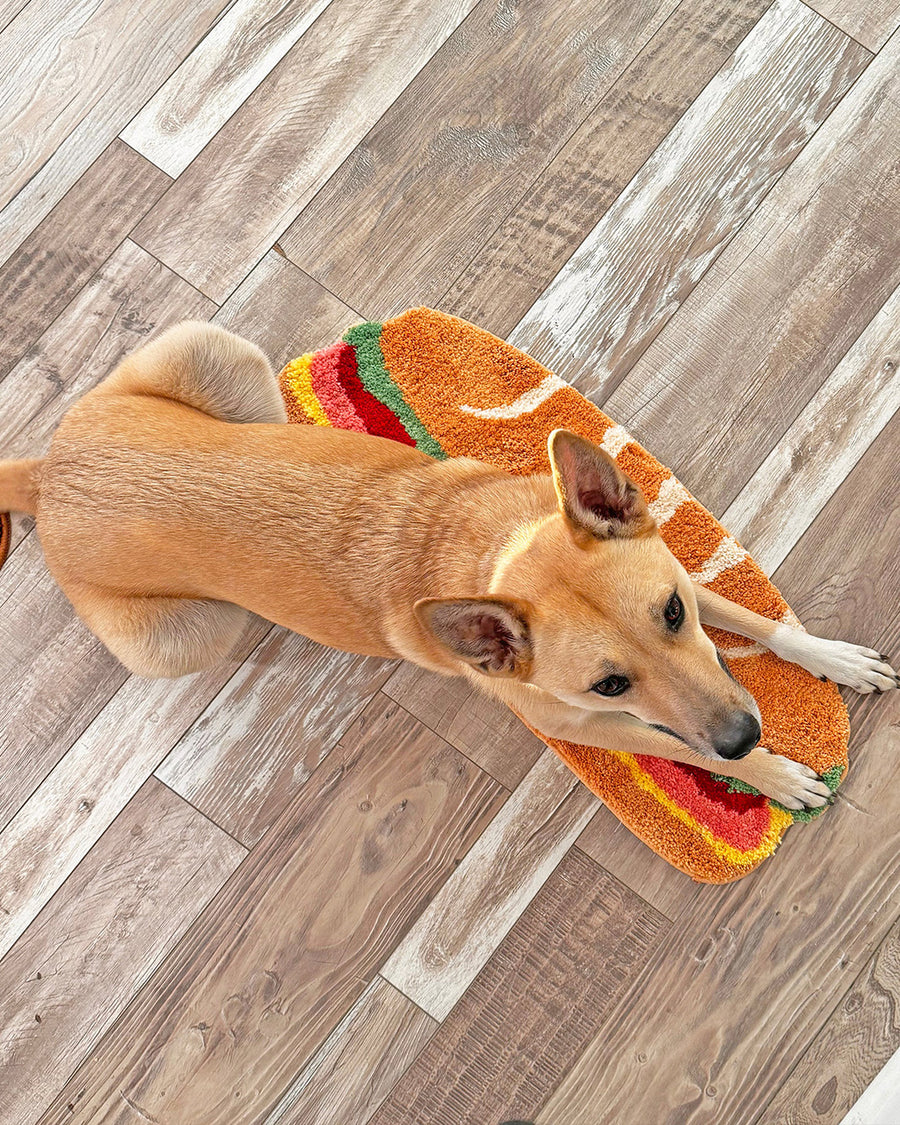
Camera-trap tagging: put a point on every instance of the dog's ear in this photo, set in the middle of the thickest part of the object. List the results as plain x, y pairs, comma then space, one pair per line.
490, 634
594, 494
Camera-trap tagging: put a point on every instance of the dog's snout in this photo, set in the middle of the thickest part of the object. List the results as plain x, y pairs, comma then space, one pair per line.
737, 736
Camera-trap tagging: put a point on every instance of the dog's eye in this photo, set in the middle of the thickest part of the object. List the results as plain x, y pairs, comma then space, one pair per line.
612, 685
674, 612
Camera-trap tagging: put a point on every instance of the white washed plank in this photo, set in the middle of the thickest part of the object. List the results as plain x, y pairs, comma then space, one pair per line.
478, 906
653, 245
215, 79
825, 441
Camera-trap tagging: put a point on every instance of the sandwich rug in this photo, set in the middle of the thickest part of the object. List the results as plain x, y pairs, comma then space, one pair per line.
439, 383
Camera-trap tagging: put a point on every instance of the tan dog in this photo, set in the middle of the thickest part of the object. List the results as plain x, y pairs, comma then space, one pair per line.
174, 500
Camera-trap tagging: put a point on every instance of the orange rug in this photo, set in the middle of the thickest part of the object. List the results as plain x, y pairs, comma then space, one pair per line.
431, 380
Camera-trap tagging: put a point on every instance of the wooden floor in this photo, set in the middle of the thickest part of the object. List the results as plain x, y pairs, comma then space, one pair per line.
307, 887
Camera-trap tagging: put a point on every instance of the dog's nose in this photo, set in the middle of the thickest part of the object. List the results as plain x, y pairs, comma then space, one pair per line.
737, 736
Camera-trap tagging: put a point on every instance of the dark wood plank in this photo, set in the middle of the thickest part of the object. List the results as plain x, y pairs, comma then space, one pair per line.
246, 756
540, 999
783, 304
570, 196
54, 675
95, 944
860, 1036
651, 248
273, 155
461, 144
66, 249
233, 1015
482, 728
359, 1063
752, 970
76, 73
608, 842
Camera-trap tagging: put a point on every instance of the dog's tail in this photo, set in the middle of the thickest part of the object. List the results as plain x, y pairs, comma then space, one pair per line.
19, 485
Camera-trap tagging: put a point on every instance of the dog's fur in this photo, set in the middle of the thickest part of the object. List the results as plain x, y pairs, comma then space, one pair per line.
174, 501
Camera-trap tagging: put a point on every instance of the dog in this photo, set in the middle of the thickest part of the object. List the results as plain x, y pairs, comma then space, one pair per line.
174, 502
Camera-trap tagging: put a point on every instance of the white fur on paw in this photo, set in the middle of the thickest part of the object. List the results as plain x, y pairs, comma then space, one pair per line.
788, 782
860, 668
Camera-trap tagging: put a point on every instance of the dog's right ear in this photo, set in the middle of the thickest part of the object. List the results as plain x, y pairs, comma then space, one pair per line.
594, 494
490, 634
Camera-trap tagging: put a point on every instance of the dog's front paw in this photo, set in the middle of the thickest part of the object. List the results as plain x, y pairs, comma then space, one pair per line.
861, 668
788, 782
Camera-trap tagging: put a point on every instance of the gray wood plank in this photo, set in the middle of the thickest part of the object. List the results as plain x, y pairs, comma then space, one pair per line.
484, 729
270, 968
257, 743
215, 79
75, 74
462, 142
871, 22
358, 1064
859, 1038
100, 938
637, 266
66, 249
271, 157
131, 296
471, 914
569, 197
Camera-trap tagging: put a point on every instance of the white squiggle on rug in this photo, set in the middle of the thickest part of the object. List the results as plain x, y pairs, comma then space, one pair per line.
672, 494
728, 554
524, 404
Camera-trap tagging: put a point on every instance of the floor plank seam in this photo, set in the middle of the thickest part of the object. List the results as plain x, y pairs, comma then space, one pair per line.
621, 883
813, 8
167, 267
181, 797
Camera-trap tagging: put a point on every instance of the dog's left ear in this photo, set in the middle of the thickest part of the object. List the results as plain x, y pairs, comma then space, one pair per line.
490, 634
594, 494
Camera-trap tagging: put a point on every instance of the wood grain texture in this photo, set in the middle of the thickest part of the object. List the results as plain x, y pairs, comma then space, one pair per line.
466, 149
637, 266
484, 729
568, 198
824, 442
284, 311
268, 729
66, 249
859, 1038
228, 64
783, 304
870, 22
617, 850
99, 939
358, 1064
75, 75
54, 675
753, 969
74, 805
530, 1012
271, 157
448, 946
268, 970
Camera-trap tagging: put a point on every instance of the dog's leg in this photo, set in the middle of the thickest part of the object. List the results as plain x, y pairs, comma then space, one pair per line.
160, 637
790, 783
854, 665
206, 367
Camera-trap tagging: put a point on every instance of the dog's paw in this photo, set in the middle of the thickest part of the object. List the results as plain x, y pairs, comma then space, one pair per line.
788, 782
861, 668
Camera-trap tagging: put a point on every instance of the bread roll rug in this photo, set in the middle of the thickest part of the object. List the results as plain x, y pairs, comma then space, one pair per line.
439, 383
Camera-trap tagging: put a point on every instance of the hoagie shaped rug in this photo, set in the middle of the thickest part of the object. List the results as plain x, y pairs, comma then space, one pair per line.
439, 383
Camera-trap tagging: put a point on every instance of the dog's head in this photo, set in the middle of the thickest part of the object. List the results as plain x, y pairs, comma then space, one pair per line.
593, 608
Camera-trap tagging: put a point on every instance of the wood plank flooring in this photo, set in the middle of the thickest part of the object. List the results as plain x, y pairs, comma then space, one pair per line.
310, 888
